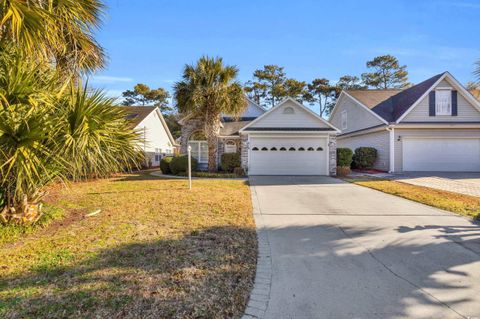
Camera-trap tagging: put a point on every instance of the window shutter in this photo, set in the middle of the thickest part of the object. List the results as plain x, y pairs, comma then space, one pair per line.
431, 103
454, 103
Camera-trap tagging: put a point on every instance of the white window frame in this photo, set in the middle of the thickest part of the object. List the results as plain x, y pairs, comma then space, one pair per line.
443, 104
158, 154
196, 149
343, 117
230, 147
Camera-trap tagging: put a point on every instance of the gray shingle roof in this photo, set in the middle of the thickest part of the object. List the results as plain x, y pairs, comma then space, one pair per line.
371, 98
392, 104
232, 128
136, 114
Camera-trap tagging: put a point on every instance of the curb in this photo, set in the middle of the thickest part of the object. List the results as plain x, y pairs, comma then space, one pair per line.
260, 294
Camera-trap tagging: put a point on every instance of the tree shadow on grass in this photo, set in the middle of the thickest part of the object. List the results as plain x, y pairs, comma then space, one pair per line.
144, 175
205, 274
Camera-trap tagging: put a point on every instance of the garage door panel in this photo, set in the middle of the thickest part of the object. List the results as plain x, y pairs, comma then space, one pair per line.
288, 162
447, 155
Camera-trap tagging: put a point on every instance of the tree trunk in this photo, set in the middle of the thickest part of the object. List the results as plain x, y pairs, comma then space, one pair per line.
212, 129
23, 213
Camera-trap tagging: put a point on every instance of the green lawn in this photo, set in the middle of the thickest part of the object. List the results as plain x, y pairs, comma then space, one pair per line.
453, 202
155, 250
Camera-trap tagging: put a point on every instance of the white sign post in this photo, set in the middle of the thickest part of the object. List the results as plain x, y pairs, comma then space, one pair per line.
189, 167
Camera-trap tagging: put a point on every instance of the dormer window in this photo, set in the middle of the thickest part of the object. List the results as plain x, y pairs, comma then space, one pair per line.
443, 102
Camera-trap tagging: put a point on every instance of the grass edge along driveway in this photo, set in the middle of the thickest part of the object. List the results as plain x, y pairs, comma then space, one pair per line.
155, 250
453, 202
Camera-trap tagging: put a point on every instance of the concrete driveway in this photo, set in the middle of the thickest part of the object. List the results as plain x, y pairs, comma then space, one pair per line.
343, 251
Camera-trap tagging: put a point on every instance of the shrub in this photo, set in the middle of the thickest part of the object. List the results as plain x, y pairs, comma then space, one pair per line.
229, 161
179, 164
165, 165
239, 171
344, 157
364, 157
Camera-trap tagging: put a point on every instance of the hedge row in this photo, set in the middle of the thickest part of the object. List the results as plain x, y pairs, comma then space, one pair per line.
364, 157
229, 162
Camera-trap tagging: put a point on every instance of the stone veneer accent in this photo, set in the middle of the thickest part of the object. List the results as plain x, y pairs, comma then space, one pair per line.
244, 152
188, 128
332, 154
193, 126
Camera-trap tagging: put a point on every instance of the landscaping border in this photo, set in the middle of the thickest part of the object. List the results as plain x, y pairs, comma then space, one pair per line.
260, 294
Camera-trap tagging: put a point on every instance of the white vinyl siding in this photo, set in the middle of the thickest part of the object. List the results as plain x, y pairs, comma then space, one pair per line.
466, 111
360, 118
344, 120
277, 118
156, 138
403, 134
378, 140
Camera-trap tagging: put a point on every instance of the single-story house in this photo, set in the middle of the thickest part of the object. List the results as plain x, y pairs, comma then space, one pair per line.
228, 138
288, 139
431, 126
157, 139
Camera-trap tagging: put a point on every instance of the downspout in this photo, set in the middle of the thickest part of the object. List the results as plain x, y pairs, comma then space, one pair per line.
391, 130
145, 145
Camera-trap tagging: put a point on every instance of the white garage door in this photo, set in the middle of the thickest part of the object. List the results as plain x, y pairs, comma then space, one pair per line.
442, 155
288, 156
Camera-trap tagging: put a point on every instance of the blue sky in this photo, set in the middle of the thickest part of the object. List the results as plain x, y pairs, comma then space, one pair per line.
149, 41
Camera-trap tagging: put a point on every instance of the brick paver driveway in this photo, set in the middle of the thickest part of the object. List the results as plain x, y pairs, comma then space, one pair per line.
334, 250
463, 183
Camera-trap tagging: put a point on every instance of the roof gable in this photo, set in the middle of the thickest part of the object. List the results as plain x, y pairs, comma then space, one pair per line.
289, 115
394, 107
136, 115
438, 79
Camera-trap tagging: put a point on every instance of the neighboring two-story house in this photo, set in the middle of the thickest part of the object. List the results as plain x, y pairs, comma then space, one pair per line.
431, 126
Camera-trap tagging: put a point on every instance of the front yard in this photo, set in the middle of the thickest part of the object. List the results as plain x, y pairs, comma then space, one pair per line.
154, 250
457, 203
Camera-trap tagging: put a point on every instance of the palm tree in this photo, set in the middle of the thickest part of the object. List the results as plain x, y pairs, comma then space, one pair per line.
95, 137
207, 90
49, 133
59, 32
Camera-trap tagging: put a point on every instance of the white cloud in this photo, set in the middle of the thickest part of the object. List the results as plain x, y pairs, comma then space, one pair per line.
114, 93
106, 79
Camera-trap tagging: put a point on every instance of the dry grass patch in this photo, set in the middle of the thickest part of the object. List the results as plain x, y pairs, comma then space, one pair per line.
453, 202
156, 250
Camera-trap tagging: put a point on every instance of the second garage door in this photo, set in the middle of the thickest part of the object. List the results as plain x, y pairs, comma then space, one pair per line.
442, 155
288, 156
